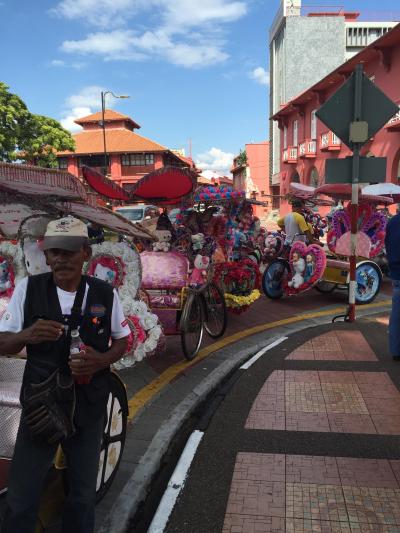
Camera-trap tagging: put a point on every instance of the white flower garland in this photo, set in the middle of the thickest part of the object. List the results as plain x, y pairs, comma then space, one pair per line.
128, 292
15, 251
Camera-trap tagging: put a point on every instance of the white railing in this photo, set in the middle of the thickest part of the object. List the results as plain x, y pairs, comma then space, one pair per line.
302, 149
335, 140
292, 153
324, 140
311, 147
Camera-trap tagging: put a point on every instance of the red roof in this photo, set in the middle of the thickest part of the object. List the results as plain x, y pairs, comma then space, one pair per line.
109, 116
387, 41
118, 141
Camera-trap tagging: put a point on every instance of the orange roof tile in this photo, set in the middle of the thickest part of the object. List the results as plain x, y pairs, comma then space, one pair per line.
117, 141
109, 116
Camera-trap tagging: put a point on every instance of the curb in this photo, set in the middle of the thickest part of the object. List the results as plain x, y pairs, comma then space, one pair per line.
135, 490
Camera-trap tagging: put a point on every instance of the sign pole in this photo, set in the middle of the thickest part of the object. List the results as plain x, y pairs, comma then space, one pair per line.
354, 196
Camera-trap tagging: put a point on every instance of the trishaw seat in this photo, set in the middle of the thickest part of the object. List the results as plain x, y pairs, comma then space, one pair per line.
164, 270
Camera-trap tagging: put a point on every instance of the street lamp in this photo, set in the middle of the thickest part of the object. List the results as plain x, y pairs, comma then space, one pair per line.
103, 100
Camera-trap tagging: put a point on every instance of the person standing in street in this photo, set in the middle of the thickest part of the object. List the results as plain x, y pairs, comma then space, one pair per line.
43, 312
392, 245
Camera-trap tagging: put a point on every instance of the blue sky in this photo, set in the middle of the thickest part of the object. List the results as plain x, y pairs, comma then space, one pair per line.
194, 69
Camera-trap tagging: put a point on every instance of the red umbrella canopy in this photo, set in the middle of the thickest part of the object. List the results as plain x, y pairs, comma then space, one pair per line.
103, 185
166, 186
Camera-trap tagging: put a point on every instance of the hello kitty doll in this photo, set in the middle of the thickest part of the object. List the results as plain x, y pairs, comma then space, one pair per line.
199, 274
105, 273
310, 267
299, 266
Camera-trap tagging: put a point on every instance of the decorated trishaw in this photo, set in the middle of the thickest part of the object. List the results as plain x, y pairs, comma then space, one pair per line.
177, 276
29, 198
225, 217
298, 266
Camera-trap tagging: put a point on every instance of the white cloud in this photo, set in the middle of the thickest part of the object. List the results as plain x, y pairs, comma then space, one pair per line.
215, 160
84, 103
71, 115
185, 33
260, 75
57, 63
100, 13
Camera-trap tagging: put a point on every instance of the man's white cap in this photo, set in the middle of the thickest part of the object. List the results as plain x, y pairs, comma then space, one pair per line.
66, 233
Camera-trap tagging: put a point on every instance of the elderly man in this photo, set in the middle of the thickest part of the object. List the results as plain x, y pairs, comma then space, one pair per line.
41, 312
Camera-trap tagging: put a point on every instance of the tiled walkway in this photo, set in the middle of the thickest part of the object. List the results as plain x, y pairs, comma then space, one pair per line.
307, 494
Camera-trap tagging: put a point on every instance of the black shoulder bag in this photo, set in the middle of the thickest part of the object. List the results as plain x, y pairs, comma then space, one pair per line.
48, 407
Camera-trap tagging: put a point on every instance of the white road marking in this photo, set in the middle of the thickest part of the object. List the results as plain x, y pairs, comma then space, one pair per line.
175, 484
261, 352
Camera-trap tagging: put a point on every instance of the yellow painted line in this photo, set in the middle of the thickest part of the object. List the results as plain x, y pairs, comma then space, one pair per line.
144, 395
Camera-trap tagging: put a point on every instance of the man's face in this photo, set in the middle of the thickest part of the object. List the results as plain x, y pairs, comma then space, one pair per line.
66, 265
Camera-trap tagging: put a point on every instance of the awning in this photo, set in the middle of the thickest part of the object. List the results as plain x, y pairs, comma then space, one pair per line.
104, 186
166, 186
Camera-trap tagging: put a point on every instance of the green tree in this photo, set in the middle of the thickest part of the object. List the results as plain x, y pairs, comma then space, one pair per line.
241, 158
28, 137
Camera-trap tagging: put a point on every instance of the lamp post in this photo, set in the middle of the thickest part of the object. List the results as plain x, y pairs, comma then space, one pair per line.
103, 125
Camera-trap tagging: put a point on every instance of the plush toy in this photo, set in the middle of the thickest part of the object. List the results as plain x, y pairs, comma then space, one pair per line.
5, 282
35, 260
299, 267
197, 241
163, 244
199, 273
105, 273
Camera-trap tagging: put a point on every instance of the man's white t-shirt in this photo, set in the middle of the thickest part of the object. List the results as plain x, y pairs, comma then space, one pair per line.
13, 318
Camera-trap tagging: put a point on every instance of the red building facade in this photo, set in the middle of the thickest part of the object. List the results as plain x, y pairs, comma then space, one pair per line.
129, 155
306, 143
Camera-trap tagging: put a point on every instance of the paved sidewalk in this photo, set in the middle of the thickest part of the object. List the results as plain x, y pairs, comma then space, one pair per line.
307, 440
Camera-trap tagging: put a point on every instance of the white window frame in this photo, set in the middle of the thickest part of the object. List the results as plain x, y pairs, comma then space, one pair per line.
313, 125
284, 137
295, 132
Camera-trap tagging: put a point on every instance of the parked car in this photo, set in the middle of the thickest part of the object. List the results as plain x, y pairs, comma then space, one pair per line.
138, 212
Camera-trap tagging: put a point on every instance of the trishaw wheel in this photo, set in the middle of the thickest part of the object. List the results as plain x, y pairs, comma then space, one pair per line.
215, 314
368, 282
191, 326
325, 286
273, 277
114, 436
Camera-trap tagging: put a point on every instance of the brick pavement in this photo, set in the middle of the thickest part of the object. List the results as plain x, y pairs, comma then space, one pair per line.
308, 493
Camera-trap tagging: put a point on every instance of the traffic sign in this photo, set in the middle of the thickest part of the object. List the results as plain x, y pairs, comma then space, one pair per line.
372, 170
338, 111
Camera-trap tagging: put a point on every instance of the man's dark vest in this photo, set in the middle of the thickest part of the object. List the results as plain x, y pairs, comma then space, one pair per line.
42, 359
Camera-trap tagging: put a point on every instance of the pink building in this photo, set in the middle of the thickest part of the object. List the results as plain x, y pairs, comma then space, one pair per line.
129, 156
250, 173
306, 143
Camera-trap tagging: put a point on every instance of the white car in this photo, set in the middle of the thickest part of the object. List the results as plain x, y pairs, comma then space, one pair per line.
138, 212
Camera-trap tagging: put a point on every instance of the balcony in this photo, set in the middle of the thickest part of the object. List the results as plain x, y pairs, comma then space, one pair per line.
290, 155
394, 123
308, 149
329, 142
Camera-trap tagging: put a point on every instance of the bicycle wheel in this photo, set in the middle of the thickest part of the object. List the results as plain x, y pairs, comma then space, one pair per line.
215, 314
191, 326
368, 282
114, 436
273, 277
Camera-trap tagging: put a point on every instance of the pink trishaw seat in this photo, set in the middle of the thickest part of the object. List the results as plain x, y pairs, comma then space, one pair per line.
164, 270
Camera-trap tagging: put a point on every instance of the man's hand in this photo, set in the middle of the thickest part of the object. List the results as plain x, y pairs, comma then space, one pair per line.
88, 362
43, 331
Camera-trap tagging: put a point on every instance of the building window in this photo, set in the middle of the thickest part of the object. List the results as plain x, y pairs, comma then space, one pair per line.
295, 133
313, 129
92, 161
137, 160
62, 163
284, 137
